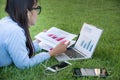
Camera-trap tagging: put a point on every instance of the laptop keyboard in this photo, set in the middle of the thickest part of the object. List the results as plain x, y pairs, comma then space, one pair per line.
73, 54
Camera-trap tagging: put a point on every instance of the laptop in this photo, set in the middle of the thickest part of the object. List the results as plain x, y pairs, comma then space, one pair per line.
85, 44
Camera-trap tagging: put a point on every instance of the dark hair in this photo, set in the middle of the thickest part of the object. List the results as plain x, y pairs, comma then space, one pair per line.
17, 10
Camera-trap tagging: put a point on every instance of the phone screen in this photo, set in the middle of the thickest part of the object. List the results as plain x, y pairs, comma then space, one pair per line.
90, 72
60, 66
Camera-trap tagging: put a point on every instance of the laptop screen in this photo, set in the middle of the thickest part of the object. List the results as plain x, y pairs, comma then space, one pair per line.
88, 39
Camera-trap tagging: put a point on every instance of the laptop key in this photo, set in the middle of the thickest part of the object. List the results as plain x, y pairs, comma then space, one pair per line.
73, 54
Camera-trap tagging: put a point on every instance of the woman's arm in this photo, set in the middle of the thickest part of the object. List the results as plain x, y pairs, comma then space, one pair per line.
19, 53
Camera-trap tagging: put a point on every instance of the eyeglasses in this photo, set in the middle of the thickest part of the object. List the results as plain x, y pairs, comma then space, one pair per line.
38, 9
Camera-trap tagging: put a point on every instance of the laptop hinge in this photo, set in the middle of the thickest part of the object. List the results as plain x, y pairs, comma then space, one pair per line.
80, 52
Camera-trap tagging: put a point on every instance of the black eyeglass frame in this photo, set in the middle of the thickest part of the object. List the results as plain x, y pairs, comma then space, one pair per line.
38, 8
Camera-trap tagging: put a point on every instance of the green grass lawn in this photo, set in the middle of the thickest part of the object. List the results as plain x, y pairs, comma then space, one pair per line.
70, 15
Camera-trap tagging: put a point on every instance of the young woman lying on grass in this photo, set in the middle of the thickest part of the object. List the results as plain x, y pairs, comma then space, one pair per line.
16, 45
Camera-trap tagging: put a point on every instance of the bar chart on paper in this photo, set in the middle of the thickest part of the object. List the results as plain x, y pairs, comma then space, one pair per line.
88, 45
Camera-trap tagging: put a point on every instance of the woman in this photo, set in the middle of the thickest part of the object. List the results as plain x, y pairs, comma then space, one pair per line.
16, 45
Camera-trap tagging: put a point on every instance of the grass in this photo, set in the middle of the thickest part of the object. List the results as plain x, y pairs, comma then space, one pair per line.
70, 15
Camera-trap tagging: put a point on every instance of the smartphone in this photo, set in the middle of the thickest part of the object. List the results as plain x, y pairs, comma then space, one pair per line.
59, 66
96, 72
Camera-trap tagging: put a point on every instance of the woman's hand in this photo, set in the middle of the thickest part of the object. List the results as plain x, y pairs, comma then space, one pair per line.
60, 48
38, 41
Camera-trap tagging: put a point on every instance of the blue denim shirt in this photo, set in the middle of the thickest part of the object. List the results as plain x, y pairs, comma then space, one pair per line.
13, 47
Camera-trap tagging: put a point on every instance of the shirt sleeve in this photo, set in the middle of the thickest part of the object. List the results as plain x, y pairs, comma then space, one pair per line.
19, 53
36, 46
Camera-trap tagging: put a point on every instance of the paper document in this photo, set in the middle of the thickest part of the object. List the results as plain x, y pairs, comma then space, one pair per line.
53, 37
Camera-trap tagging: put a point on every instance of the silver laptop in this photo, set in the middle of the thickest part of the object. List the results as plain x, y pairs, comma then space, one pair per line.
84, 46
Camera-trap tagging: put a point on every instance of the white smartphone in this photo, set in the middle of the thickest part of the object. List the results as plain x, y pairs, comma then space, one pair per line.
58, 66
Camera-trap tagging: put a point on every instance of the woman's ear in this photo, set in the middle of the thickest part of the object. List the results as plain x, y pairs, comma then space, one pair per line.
28, 14
29, 17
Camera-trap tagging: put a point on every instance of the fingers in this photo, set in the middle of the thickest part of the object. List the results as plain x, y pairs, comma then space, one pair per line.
60, 48
66, 42
38, 41
45, 30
